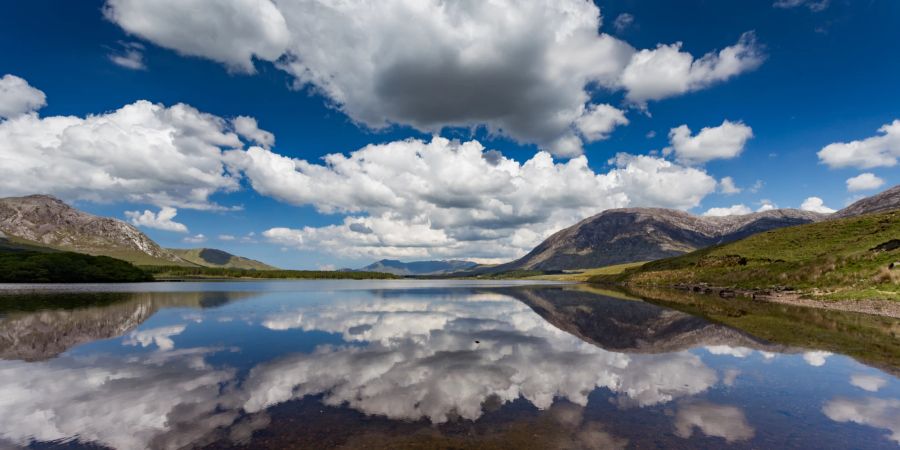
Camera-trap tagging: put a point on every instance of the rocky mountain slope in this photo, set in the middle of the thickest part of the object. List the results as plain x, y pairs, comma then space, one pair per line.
619, 236
47, 221
418, 267
888, 200
210, 257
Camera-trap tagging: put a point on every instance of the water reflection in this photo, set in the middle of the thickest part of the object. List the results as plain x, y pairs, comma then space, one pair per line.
541, 367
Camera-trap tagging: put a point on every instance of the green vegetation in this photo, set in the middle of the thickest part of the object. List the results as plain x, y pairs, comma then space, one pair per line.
871, 339
177, 272
210, 257
837, 259
66, 267
586, 274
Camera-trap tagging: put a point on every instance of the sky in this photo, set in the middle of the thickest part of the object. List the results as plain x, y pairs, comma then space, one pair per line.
322, 134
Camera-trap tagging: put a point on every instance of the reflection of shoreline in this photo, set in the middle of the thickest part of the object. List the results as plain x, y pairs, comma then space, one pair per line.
45, 333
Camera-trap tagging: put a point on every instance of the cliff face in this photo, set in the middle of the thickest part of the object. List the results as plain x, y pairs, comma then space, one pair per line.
49, 221
619, 236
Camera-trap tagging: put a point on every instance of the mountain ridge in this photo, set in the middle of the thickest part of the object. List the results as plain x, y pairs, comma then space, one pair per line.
212, 257
432, 267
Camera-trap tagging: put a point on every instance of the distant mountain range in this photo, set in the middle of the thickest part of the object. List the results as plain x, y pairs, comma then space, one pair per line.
45, 223
210, 257
619, 236
418, 267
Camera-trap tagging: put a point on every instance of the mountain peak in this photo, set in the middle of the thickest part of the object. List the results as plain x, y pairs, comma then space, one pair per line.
884, 201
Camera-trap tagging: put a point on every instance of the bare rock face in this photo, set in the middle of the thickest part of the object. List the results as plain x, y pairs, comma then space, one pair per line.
49, 221
619, 236
888, 200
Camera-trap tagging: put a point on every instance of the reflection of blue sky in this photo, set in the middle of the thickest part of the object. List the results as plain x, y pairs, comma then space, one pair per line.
186, 373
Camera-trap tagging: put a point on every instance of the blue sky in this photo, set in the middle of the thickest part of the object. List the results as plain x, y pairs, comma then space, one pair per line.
810, 74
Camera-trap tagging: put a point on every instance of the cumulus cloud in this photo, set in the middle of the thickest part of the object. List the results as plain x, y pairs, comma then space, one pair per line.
445, 198
864, 182
17, 97
816, 358
523, 69
232, 32
161, 220
667, 71
815, 204
140, 153
723, 421
882, 150
812, 5
733, 210
725, 141
161, 337
598, 121
883, 413
766, 205
727, 186
227, 237
249, 129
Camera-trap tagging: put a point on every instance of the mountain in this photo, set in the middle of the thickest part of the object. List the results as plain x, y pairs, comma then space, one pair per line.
210, 257
619, 236
846, 258
42, 220
886, 201
418, 267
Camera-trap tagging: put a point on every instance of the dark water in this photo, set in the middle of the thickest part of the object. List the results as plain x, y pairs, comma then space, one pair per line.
353, 364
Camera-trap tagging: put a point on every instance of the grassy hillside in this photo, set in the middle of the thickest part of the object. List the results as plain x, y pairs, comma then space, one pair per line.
837, 259
66, 267
175, 272
209, 257
586, 274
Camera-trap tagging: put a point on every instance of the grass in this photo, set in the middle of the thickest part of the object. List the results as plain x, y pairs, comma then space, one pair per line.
827, 260
585, 274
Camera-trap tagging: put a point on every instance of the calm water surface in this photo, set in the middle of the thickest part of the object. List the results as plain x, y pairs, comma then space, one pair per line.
418, 364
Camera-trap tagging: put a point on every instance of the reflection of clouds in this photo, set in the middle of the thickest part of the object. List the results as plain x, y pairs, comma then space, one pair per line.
422, 360
816, 358
737, 352
161, 336
730, 376
869, 383
164, 402
722, 421
874, 412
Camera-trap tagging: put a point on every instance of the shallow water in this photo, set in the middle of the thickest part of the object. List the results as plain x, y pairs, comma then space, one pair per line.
423, 364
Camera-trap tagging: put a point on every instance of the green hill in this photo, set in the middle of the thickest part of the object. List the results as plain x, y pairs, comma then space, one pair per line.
210, 257
849, 258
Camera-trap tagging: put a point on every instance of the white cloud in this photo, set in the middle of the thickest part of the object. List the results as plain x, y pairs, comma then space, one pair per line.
878, 151
196, 239
727, 186
598, 121
130, 56
232, 32
226, 237
161, 337
667, 71
871, 383
864, 182
161, 220
733, 210
880, 413
249, 129
622, 22
737, 352
723, 421
815, 204
725, 141
445, 198
17, 97
523, 69
140, 153
766, 205
813, 5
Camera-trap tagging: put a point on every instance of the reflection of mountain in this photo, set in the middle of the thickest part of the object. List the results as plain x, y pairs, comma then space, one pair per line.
632, 326
43, 334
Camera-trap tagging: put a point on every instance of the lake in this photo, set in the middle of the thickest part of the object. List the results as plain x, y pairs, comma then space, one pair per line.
435, 364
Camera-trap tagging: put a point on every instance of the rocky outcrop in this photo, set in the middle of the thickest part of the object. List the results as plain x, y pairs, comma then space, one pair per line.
619, 236
888, 200
48, 221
